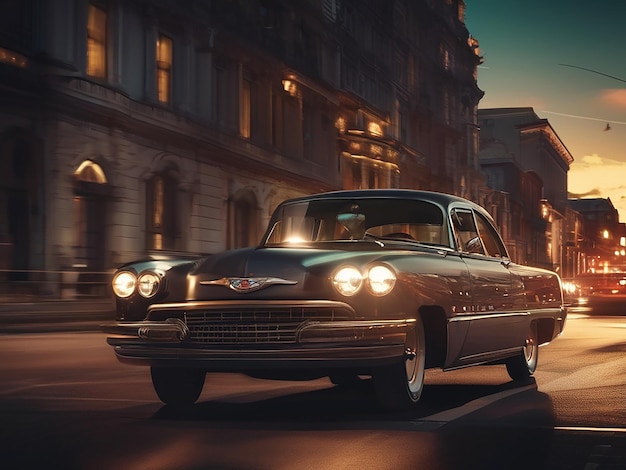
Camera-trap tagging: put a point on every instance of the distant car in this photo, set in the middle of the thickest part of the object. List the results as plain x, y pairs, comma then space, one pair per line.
346, 284
597, 292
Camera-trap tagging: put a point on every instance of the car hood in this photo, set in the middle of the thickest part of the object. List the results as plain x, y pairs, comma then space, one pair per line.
283, 272
288, 262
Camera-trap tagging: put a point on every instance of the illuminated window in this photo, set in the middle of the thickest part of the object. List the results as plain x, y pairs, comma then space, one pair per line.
361, 172
164, 68
162, 223
96, 42
90, 196
374, 129
90, 172
246, 94
446, 61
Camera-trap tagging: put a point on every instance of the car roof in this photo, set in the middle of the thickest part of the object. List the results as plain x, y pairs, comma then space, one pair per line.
441, 199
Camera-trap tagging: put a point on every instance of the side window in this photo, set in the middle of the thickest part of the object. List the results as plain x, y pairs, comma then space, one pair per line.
490, 238
465, 232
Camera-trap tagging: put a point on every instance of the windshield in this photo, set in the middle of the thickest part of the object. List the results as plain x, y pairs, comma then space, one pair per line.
341, 220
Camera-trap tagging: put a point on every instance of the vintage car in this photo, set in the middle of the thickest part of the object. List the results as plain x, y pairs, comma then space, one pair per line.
597, 292
352, 285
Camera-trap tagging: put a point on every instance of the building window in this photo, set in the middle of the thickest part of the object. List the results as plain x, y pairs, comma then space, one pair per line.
164, 68
329, 9
90, 172
96, 42
276, 121
246, 98
446, 59
374, 129
244, 214
90, 195
243, 220
351, 172
225, 93
402, 126
162, 222
365, 173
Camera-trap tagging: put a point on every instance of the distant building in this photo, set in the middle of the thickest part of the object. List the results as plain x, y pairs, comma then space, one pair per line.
603, 236
526, 165
144, 127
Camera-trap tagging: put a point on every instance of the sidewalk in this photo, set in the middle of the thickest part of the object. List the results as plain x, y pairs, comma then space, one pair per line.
34, 316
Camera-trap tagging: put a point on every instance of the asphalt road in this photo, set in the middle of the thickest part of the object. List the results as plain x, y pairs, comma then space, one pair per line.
65, 402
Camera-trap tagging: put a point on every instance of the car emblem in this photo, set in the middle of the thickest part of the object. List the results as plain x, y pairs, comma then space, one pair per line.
247, 284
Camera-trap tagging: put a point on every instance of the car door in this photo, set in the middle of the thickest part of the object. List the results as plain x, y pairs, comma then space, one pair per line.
494, 322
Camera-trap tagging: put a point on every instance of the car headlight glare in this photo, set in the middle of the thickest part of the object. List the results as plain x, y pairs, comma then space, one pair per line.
124, 284
148, 284
381, 280
348, 281
569, 287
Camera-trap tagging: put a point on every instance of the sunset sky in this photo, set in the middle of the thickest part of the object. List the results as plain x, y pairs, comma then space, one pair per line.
567, 60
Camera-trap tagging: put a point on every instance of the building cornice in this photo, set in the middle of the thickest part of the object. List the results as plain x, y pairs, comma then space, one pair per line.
543, 127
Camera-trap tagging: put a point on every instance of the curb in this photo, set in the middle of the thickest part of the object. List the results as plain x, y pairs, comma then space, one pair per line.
55, 315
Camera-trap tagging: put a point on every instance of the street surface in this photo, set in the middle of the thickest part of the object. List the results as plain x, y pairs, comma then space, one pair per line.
65, 402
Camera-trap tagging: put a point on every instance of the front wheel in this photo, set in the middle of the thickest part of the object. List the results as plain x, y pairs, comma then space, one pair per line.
400, 385
523, 366
177, 387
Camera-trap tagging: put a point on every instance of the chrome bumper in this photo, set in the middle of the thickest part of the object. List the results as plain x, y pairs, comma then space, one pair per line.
318, 344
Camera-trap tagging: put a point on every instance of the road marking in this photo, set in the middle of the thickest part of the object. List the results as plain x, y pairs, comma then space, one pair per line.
588, 429
456, 413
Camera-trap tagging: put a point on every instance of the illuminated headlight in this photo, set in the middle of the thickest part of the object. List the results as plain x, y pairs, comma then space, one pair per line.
124, 284
348, 281
381, 280
148, 284
569, 287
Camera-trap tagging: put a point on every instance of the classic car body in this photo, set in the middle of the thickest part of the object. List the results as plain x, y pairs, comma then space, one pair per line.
380, 283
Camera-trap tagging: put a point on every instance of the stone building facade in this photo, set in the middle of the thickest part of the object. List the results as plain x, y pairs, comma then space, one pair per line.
526, 165
156, 127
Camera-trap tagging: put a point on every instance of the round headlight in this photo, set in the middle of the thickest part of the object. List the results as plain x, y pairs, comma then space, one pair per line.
348, 281
570, 287
381, 280
148, 284
124, 284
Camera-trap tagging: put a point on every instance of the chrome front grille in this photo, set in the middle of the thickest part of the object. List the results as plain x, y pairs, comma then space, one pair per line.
256, 326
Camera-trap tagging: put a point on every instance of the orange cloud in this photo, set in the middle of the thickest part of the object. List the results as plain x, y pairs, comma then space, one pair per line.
595, 176
614, 97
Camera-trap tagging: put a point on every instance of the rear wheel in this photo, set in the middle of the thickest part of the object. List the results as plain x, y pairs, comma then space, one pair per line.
400, 385
177, 387
523, 365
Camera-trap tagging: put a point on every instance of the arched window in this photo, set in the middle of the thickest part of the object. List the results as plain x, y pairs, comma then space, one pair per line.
90, 195
162, 225
90, 172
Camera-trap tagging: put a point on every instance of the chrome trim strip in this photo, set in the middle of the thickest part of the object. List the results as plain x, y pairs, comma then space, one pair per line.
548, 312
490, 356
353, 355
481, 315
212, 304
